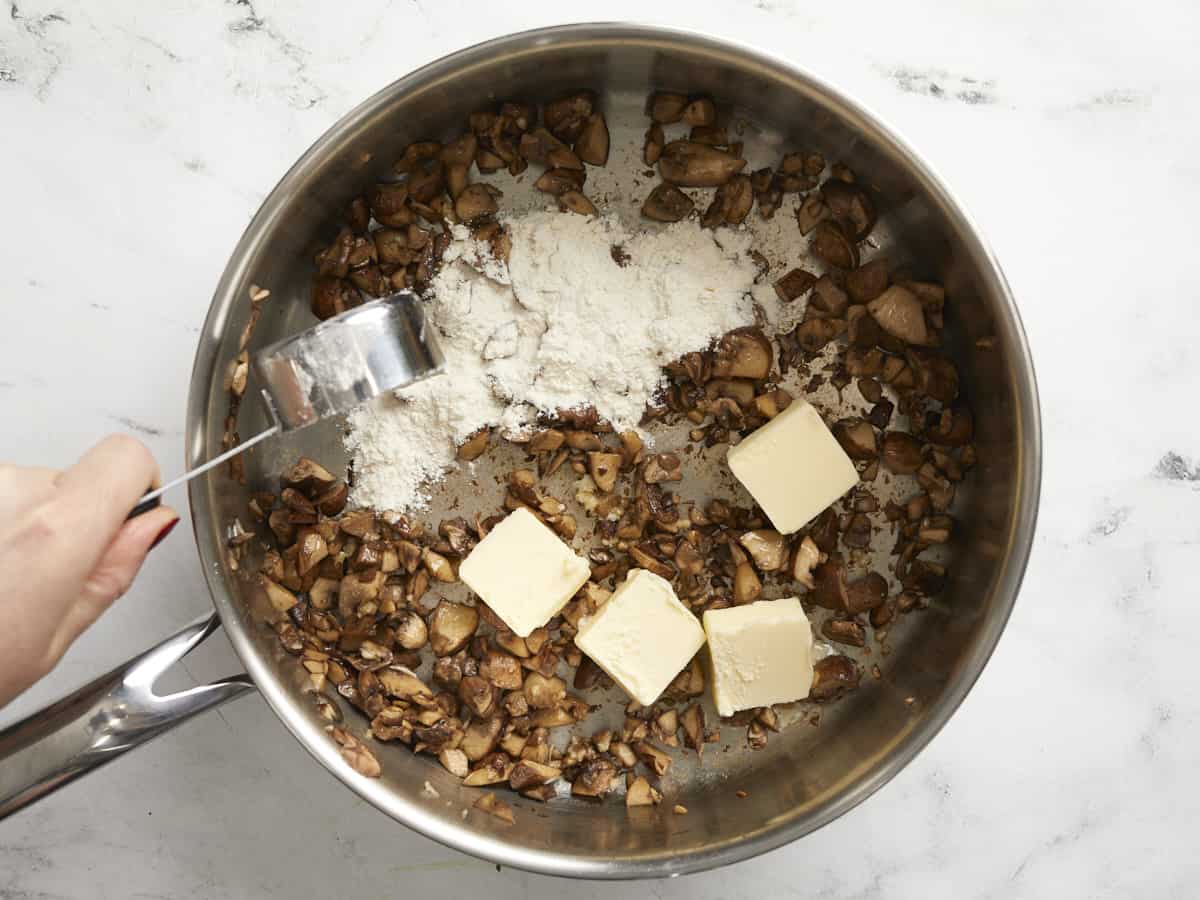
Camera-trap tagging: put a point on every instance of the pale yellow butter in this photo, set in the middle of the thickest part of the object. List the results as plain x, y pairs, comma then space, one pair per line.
761, 653
642, 637
793, 467
524, 572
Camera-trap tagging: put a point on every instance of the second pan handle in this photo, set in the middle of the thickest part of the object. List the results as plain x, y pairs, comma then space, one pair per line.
100, 721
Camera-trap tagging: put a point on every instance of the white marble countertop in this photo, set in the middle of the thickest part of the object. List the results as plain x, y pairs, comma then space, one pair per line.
138, 139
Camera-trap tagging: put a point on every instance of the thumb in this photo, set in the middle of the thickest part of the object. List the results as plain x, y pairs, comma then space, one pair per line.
115, 571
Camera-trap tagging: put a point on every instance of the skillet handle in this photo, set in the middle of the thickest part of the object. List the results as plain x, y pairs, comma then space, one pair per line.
100, 721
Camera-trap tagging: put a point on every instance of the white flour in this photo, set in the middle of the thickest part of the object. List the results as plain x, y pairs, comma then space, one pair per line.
562, 326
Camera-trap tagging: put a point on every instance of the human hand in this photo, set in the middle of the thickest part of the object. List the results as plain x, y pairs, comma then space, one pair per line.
66, 551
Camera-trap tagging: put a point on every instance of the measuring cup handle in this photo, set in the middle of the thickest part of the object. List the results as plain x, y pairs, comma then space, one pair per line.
100, 721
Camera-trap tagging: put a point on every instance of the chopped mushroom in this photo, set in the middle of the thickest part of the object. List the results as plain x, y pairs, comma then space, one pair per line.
831, 245
795, 283
451, 626
701, 111
833, 676
767, 547
688, 164
653, 757
898, 312
808, 555
653, 145
494, 806
744, 353
901, 454
850, 205
731, 203
866, 594
576, 202
592, 144
356, 753
640, 793
746, 584
603, 467
857, 438
475, 202
666, 108
667, 203
455, 762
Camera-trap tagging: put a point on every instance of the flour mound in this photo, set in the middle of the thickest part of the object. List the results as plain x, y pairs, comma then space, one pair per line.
563, 325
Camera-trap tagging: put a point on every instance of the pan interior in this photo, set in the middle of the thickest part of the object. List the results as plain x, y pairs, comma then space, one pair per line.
806, 775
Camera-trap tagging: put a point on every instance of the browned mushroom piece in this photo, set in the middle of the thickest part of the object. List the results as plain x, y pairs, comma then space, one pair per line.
475, 202
592, 144
559, 181
654, 758
667, 108
667, 203
595, 778
576, 202
830, 584
308, 476
827, 301
810, 213
713, 135
426, 180
389, 204
356, 753
543, 692
851, 205
857, 438
934, 376
653, 144
731, 203
640, 793
868, 281
832, 677
901, 454
744, 353
807, 556
492, 805
536, 145
795, 283
866, 593
332, 296
814, 334
567, 116
747, 587
768, 548
280, 597
451, 627
831, 245
563, 158
456, 179
416, 153
691, 720
695, 165
954, 427
898, 311
333, 501
662, 467
700, 111
603, 467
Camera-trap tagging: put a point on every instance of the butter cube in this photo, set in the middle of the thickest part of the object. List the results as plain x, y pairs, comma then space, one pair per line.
793, 467
642, 637
761, 654
524, 572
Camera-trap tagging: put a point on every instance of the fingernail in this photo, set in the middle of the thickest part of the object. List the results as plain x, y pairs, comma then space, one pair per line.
166, 530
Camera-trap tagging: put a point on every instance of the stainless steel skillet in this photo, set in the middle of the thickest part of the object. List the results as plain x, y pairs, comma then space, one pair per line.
806, 777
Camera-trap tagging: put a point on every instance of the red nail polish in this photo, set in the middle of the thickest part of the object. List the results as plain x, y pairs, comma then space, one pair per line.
166, 530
